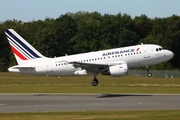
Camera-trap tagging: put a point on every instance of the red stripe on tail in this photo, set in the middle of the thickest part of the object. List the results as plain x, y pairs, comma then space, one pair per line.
18, 53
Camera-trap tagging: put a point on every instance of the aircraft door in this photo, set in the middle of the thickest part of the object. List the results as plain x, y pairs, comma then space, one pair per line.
49, 66
146, 52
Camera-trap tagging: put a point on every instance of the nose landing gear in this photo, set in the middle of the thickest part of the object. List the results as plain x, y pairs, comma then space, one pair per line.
149, 74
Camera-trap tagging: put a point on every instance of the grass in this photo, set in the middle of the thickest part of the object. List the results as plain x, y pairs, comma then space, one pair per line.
16, 83
95, 115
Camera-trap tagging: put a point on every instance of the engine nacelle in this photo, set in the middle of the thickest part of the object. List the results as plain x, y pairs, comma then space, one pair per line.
117, 70
80, 72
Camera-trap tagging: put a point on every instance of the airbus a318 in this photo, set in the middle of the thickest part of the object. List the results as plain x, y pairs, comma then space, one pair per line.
115, 62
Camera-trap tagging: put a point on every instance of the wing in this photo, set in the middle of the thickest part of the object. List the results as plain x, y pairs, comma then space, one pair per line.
90, 66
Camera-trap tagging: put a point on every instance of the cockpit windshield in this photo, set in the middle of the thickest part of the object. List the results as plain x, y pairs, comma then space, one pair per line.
159, 49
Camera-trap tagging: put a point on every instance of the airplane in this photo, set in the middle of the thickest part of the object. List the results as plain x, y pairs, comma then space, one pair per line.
115, 62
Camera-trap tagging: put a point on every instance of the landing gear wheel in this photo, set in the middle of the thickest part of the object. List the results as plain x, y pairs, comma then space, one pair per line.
149, 74
94, 82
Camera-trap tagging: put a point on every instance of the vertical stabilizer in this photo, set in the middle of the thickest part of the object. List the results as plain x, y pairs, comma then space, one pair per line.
22, 50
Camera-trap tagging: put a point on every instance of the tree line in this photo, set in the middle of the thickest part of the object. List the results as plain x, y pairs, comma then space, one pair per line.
80, 32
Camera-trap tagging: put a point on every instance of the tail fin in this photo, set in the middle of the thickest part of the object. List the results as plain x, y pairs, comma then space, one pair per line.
22, 50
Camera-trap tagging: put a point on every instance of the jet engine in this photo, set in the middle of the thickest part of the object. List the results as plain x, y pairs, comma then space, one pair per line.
116, 70
80, 72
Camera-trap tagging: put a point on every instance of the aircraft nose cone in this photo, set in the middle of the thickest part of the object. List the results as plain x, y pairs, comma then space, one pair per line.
170, 54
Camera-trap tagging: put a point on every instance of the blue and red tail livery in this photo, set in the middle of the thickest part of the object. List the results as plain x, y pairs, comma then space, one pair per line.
21, 49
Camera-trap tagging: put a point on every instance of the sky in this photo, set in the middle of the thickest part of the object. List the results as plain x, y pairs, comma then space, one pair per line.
29, 10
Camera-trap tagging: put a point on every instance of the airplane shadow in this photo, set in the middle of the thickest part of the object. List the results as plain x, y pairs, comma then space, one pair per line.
122, 95
98, 96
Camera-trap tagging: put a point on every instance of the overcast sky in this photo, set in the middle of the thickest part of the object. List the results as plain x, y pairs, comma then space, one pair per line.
28, 10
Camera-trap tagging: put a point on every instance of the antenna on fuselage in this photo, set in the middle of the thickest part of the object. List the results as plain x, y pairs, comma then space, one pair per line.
141, 43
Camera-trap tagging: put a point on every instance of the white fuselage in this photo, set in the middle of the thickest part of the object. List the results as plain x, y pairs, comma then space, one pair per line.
134, 56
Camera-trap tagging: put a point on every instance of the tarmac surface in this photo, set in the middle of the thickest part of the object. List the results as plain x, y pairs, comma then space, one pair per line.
10, 103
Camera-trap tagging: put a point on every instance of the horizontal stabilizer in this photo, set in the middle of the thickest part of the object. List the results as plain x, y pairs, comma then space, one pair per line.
21, 67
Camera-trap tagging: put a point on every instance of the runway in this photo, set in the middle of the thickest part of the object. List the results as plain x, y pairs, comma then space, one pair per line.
10, 103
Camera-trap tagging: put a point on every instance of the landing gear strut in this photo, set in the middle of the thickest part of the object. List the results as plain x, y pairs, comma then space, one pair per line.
149, 74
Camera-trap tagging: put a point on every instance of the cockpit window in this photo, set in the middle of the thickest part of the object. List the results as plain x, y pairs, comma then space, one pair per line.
159, 49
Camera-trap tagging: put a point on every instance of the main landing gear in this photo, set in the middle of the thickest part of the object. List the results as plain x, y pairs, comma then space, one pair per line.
95, 80
149, 74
